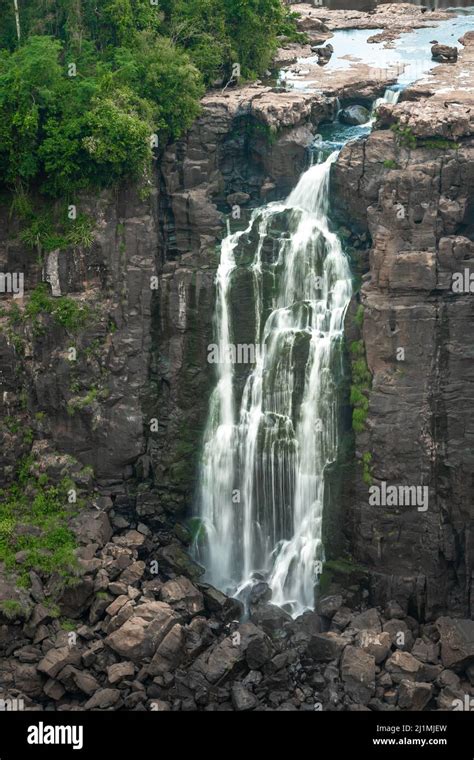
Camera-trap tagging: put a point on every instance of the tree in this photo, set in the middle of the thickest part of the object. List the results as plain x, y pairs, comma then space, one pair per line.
17, 19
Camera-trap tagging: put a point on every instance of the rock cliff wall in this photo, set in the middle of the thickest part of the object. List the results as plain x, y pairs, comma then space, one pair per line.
409, 186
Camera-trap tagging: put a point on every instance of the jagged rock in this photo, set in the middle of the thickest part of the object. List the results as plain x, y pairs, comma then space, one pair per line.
140, 635
426, 651
183, 596
169, 652
402, 665
198, 636
376, 644
242, 698
414, 696
119, 671
326, 647
328, 606
26, 679
444, 53
103, 699
448, 678
126, 611
258, 652
175, 559
89, 657
216, 601
399, 633
269, 617
74, 679
92, 527
115, 607
53, 689
74, 599
132, 539
358, 674
133, 573
226, 658
450, 697
56, 659
341, 619
457, 642
368, 620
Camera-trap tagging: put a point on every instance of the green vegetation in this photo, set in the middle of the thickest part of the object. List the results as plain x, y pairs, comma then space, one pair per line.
361, 381
11, 609
438, 143
342, 571
407, 139
68, 625
196, 529
389, 163
33, 526
366, 471
76, 404
64, 310
87, 84
404, 135
359, 316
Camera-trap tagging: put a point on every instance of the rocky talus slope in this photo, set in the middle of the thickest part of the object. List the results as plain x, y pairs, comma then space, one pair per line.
133, 626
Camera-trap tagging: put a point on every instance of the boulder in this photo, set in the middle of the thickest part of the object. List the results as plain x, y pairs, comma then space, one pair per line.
329, 605
457, 642
92, 527
414, 696
183, 596
103, 699
426, 651
141, 634
354, 115
216, 601
400, 634
228, 657
376, 644
367, 621
119, 671
169, 652
57, 658
444, 53
269, 617
174, 559
403, 666
242, 698
326, 647
358, 674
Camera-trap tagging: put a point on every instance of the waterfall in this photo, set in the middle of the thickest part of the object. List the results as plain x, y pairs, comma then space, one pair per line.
263, 467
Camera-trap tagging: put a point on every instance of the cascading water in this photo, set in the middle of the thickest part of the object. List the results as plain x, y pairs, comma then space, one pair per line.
269, 440
273, 450
266, 452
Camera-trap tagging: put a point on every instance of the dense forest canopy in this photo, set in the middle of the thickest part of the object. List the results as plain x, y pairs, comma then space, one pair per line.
85, 83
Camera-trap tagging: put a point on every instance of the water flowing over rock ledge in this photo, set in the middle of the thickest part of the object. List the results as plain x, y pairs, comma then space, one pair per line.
147, 640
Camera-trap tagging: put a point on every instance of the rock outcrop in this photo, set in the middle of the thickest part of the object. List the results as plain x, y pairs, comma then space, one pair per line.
409, 187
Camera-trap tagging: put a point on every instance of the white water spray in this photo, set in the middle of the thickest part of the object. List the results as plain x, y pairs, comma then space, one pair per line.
274, 449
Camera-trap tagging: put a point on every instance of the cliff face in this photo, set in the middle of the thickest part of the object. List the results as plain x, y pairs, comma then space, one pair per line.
122, 416
410, 188
87, 403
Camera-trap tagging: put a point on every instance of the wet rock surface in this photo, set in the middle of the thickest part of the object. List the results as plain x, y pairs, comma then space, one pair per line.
138, 628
